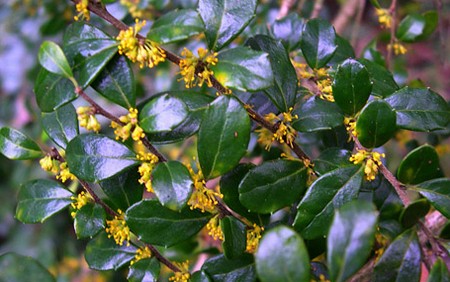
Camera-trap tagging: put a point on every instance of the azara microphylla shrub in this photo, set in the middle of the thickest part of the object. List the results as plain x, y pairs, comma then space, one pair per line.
264, 160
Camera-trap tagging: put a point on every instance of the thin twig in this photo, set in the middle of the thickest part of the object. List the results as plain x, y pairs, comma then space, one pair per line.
162, 259
399, 188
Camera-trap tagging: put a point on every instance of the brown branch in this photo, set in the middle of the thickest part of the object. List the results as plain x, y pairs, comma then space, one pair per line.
399, 187
162, 259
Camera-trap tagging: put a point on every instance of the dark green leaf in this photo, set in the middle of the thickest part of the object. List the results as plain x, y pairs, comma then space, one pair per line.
351, 86
414, 212
39, 199
175, 26
437, 191
343, 52
283, 93
61, 125
16, 146
243, 69
327, 193
200, 276
383, 83
144, 270
317, 114
273, 185
445, 231
52, 58
431, 22
373, 56
331, 159
411, 28
221, 269
223, 136
172, 184
350, 239
116, 82
318, 43
225, 19
158, 225
401, 260
102, 253
282, 256
52, 91
18, 268
375, 4
420, 109
289, 30
234, 234
439, 272
421, 164
89, 220
93, 157
376, 124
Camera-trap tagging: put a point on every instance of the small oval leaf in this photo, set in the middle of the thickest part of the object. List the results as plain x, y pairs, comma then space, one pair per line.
144, 270
421, 164
437, 191
89, 220
16, 146
52, 58
234, 234
61, 125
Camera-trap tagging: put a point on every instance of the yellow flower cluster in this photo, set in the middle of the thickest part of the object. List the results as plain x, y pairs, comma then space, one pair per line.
202, 198
145, 169
384, 17
191, 65
302, 70
399, 49
49, 164
143, 51
324, 84
79, 201
350, 126
373, 162
118, 229
87, 119
141, 253
285, 133
382, 242
183, 275
64, 173
130, 127
214, 229
253, 237
82, 9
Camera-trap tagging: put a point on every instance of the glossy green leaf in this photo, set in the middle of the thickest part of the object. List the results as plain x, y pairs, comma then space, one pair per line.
439, 272
116, 82
223, 136
329, 192
225, 19
343, 52
221, 269
61, 125
17, 146
102, 253
89, 220
18, 268
420, 109
235, 237
172, 184
93, 157
421, 164
383, 83
411, 28
401, 260
282, 256
373, 55
317, 114
414, 212
376, 124
273, 185
52, 91
289, 30
318, 43
284, 92
331, 159
144, 270
40, 199
437, 191
175, 26
52, 58
200, 276
350, 239
351, 86
158, 225
243, 69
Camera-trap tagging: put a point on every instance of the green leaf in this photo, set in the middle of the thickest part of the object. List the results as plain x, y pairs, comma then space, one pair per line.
18, 268
243, 69
221, 269
61, 125
376, 124
52, 58
371, 54
172, 184
329, 192
158, 225
234, 234
437, 191
200, 276
93, 157
420, 109
284, 92
225, 19
317, 114
16, 146
401, 260
414, 212
439, 272
431, 22
445, 231
282, 256
351, 86
421, 164
102, 253
289, 30
53, 91
89, 220
273, 185
350, 239
343, 52
116, 82
144, 270
176, 26
223, 136
383, 83
40, 199
411, 28
331, 159
318, 43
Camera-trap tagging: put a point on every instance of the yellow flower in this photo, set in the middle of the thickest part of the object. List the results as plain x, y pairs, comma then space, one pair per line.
399, 49
265, 137
64, 173
285, 133
191, 65
133, 8
214, 229
49, 164
79, 201
141, 253
373, 162
183, 275
87, 119
326, 90
350, 126
118, 229
253, 237
146, 168
129, 128
82, 9
302, 70
384, 17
